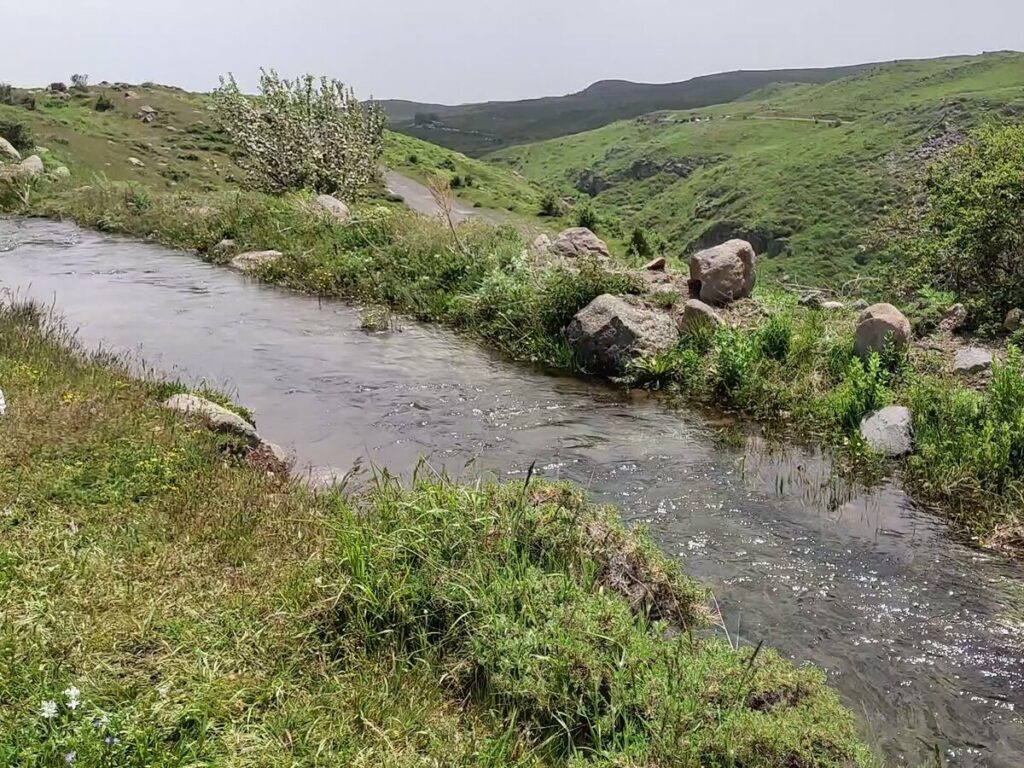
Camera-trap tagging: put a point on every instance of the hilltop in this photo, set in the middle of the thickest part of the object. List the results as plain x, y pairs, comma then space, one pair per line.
480, 128
802, 171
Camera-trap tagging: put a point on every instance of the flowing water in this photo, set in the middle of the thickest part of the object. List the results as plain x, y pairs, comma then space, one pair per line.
921, 636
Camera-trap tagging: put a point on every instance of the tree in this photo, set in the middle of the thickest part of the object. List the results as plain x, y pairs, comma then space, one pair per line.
968, 237
305, 133
80, 82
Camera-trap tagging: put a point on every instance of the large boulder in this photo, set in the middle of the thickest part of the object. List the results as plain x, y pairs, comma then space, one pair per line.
252, 261
878, 325
580, 242
216, 417
971, 360
889, 431
610, 332
724, 273
334, 207
696, 315
8, 151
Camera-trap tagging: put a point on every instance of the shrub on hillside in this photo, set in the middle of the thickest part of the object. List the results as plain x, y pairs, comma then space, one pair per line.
303, 133
6, 93
968, 237
586, 216
640, 245
80, 82
104, 104
19, 134
551, 205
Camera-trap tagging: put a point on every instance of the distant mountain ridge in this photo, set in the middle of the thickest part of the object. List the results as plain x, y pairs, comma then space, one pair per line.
477, 129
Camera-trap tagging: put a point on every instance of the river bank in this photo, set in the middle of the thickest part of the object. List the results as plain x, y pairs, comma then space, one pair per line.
186, 606
783, 364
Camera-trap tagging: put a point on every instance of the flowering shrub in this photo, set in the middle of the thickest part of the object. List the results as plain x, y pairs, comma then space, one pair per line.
303, 133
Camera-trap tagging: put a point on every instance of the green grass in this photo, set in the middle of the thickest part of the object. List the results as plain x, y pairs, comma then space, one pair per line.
807, 192
208, 613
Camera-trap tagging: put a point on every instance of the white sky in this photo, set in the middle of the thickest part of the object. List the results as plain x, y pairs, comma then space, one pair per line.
468, 50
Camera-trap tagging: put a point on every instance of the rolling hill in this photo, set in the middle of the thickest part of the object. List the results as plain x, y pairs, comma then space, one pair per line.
480, 128
803, 171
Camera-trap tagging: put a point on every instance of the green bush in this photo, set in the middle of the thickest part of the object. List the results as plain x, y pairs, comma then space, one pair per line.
677, 367
551, 205
6, 94
104, 104
18, 134
640, 245
862, 390
586, 216
735, 356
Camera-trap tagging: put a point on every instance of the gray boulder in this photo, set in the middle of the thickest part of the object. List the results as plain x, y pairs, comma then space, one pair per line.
810, 300
580, 242
335, 207
609, 333
216, 417
32, 166
878, 325
954, 318
889, 431
7, 150
61, 173
656, 265
724, 273
1013, 320
3, 404
252, 261
697, 314
971, 360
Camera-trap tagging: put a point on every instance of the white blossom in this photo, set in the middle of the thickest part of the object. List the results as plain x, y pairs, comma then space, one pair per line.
73, 697
49, 709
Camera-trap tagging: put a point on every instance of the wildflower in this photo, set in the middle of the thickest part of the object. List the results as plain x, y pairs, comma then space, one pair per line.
49, 709
70, 757
164, 690
73, 701
111, 741
100, 722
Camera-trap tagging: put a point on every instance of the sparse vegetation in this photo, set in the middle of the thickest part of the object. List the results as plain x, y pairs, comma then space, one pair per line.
104, 104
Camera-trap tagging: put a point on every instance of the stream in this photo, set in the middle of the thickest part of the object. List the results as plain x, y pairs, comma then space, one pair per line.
922, 637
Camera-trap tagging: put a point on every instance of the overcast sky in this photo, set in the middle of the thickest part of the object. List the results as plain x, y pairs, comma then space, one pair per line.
467, 50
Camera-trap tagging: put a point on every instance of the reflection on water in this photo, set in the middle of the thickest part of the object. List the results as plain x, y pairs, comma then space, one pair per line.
916, 631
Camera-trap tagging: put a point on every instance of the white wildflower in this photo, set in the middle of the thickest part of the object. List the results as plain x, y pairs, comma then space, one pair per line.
49, 709
164, 690
70, 758
73, 697
3, 403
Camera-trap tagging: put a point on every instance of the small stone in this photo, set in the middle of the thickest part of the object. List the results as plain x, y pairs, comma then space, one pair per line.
832, 306
697, 314
1013, 320
252, 261
971, 360
3, 404
217, 417
889, 431
136, 162
954, 318
335, 207
810, 300
227, 245
656, 265
858, 305
62, 173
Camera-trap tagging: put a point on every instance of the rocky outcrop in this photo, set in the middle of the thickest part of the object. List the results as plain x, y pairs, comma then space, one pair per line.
656, 265
8, 151
334, 207
589, 183
541, 244
724, 273
879, 325
610, 332
971, 360
889, 431
696, 315
251, 261
216, 417
580, 242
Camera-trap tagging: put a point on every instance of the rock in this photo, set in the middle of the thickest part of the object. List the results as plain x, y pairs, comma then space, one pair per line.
580, 242
970, 360
335, 207
877, 325
62, 173
254, 260
32, 166
275, 451
131, 95
1013, 320
724, 273
217, 417
811, 300
696, 314
889, 431
656, 265
859, 304
954, 318
136, 162
541, 244
227, 245
832, 306
7, 150
322, 479
610, 332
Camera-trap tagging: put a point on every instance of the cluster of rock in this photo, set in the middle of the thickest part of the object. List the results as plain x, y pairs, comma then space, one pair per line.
13, 166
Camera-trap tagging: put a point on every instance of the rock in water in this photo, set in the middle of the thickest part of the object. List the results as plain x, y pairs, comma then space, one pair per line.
610, 332
889, 431
251, 261
724, 273
878, 325
972, 360
580, 242
217, 417
7, 150
696, 314
335, 207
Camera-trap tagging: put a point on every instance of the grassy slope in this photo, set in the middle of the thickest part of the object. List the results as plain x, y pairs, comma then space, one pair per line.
812, 188
211, 614
480, 128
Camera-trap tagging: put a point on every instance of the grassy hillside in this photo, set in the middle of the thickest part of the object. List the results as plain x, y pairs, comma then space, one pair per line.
184, 147
803, 171
480, 128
